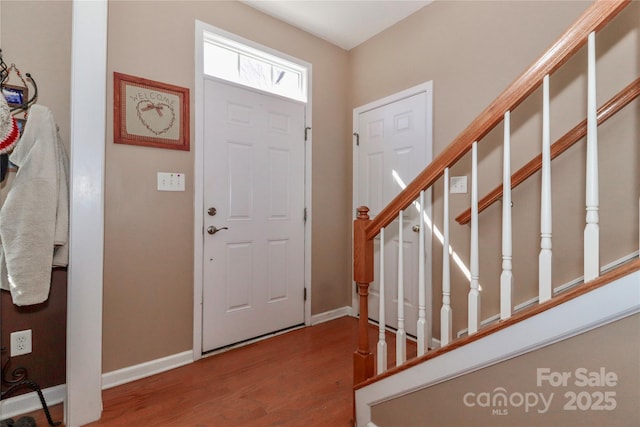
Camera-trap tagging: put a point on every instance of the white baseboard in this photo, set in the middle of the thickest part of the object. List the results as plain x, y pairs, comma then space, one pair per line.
435, 343
30, 402
330, 315
146, 369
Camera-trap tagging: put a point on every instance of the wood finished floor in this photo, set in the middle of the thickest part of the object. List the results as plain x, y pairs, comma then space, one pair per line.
301, 378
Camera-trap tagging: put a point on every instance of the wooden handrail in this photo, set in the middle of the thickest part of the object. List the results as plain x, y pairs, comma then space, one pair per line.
593, 19
609, 109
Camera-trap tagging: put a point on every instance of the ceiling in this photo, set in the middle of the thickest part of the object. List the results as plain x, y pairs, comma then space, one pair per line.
345, 23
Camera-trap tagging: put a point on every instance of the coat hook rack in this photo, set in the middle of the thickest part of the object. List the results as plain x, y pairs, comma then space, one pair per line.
4, 70
4, 77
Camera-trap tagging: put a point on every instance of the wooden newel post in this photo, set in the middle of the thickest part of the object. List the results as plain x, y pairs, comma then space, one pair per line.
363, 276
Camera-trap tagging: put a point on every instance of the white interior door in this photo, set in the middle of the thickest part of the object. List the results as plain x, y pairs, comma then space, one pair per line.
394, 146
253, 267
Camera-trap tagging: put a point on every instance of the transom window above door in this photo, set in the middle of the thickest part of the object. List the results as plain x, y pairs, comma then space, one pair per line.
239, 63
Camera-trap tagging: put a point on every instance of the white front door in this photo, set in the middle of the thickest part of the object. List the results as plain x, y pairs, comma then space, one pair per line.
394, 146
253, 267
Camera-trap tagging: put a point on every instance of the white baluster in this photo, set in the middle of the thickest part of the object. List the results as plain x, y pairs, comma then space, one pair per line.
382, 341
544, 259
506, 278
401, 335
592, 229
446, 328
422, 310
474, 292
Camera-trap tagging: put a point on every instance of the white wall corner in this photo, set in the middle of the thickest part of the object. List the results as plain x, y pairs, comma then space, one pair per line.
86, 237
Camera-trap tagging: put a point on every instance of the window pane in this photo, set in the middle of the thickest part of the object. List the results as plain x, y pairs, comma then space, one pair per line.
286, 81
254, 72
220, 62
240, 63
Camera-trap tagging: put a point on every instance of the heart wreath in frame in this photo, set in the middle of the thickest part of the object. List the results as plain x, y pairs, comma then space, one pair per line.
158, 118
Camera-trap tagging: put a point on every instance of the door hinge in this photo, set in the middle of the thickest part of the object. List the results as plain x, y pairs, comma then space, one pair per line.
304, 215
306, 133
357, 135
305, 294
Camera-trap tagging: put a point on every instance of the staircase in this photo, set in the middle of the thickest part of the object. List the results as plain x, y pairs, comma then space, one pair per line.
556, 313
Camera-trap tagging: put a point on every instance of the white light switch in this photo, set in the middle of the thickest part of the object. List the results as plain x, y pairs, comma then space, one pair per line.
170, 181
458, 184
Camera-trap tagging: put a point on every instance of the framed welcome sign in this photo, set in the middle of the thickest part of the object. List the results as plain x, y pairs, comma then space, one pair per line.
150, 113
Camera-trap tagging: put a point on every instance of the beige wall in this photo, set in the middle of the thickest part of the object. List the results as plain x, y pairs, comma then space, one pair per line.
148, 283
472, 50
36, 36
584, 355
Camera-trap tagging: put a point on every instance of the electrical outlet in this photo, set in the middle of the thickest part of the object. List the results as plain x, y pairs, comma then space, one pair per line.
20, 342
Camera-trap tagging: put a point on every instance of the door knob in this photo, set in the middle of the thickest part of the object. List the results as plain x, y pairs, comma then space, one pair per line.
416, 228
212, 211
212, 229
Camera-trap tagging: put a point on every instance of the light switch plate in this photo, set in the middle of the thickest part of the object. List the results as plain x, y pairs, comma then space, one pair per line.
171, 181
458, 184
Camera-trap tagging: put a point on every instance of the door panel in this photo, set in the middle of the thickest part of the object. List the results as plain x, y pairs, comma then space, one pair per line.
392, 151
253, 271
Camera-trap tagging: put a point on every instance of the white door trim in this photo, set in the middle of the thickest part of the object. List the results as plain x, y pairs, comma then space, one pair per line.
86, 240
198, 223
426, 87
